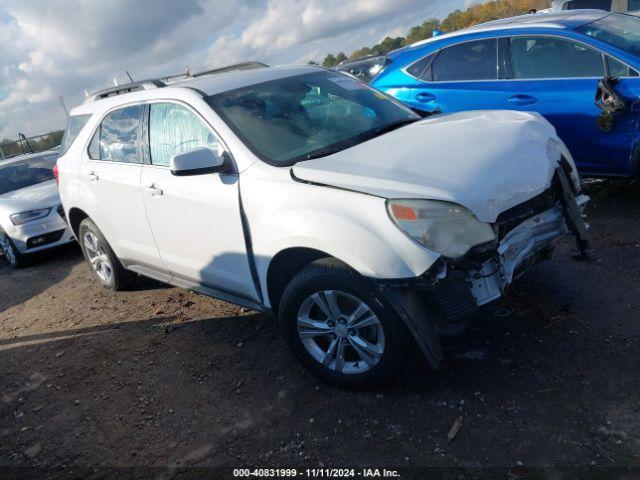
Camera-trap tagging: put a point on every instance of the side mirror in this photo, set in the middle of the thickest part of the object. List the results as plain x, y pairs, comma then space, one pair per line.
198, 162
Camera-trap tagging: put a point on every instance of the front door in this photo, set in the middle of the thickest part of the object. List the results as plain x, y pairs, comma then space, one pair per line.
558, 78
196, 220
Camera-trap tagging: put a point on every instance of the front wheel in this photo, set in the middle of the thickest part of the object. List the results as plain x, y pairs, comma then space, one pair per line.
104, 263
11, 253
339, 328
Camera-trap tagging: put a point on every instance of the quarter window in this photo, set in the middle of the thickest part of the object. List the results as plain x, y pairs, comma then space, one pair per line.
547, 57
175, 129
74, 126
619, 69
422, 68
476, 60
117, 139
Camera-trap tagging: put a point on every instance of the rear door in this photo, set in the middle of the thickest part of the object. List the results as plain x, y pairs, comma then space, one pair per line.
458, 77
196, 220
111, 176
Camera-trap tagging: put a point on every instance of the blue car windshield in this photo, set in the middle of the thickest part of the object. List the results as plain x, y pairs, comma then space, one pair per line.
308, 116
621, 31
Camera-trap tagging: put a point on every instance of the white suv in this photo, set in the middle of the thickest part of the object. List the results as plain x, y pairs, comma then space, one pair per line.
303, 193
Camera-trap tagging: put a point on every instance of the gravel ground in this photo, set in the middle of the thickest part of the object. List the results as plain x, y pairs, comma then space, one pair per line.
162, 377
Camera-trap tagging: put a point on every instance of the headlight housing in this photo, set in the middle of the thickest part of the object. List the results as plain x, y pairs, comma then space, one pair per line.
447, 228
30, 216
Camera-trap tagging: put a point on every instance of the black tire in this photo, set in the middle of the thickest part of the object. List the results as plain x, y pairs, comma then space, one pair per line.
11, 253
332, 275
120, 278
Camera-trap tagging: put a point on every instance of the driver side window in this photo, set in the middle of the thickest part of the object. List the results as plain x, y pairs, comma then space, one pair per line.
175, 129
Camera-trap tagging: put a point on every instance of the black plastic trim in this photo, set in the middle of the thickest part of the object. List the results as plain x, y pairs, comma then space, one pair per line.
246, 231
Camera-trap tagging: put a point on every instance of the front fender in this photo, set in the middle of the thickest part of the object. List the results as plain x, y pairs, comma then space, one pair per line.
352, 227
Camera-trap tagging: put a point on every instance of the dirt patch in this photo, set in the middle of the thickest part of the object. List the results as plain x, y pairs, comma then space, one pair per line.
163, 377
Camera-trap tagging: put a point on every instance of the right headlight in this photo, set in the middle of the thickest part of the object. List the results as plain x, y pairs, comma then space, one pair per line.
447, 228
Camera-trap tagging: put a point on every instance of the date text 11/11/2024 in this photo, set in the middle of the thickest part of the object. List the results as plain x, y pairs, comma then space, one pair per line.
315, 473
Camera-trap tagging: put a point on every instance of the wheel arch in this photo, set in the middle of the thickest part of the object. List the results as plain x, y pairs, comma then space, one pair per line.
76, 216
285, 265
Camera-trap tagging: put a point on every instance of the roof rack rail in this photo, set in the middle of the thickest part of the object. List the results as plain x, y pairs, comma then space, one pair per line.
230, 68
125, 88
167, 80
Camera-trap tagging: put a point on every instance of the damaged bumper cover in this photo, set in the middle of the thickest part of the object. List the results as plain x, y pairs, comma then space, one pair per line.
445, 299
519, 250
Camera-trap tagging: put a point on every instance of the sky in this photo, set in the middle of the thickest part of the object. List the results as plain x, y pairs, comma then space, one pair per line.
54, 48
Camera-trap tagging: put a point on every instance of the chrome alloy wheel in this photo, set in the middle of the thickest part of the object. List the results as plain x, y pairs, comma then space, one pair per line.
97, 257
7, 249
340, 331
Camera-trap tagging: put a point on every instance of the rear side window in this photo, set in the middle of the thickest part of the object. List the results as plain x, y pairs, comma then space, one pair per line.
175, 129
74, 126
117, 139
476, 60
548, 57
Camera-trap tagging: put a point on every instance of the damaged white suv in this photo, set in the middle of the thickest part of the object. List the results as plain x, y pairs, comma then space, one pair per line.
305, 194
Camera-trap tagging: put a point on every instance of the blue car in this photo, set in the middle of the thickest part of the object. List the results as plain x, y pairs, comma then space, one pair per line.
553, 64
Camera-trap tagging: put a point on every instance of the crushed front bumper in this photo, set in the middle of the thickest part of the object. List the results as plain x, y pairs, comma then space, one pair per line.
518, 251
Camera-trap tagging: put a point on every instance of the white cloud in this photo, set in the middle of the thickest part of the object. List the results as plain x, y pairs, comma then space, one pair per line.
61, 47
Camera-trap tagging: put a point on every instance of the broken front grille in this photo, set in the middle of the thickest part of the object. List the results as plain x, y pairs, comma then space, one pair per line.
513, 217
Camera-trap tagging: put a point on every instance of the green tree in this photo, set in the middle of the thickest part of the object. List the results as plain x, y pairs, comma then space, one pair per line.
329, 61
456, 20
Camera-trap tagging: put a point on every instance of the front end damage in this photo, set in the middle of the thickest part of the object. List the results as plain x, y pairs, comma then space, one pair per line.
443, 301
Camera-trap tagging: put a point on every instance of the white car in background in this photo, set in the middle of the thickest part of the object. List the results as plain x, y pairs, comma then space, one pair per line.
31, 216
305, 194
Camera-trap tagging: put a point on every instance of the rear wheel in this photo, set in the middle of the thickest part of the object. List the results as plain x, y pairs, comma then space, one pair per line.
104, 263
11, 253
337, 326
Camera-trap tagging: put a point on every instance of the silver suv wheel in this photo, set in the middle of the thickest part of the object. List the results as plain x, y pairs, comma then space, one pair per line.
97, 256
340, 331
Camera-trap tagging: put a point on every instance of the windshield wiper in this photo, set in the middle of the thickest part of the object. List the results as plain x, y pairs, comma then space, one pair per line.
393, 126
323, 152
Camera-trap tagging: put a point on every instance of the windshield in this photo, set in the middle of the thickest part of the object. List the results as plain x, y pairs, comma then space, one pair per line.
308, 116
25, 173
622, 31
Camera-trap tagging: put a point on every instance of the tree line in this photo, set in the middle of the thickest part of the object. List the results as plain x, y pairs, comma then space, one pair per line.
10, 148
456, 20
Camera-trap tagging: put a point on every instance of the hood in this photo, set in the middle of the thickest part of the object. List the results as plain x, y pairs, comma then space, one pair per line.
486, 161
41, 195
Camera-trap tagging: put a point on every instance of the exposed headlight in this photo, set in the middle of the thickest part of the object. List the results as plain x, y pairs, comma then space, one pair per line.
30, 216
447, 228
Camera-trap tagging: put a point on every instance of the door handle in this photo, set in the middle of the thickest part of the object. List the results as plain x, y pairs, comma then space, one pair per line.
425, 97
522, 100
153, 190
93, 177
